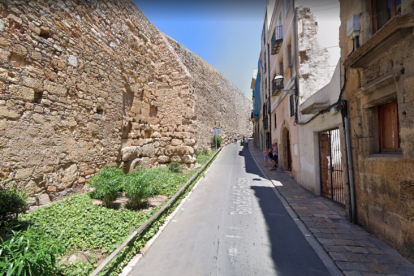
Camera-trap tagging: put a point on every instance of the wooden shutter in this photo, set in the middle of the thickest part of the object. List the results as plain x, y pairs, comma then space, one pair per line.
388, 127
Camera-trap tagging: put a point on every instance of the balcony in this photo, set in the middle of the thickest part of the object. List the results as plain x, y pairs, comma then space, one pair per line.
265, 122
277, 87
277, 40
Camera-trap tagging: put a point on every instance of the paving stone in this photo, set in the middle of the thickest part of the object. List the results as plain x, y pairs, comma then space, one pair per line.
352, 273
348, 266
378, 268
355, 251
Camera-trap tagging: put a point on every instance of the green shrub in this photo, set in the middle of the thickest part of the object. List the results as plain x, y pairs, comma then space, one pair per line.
12, 201
138, 187
28, 252
198, 152
213, 141
205, 151
108, 184
175, 167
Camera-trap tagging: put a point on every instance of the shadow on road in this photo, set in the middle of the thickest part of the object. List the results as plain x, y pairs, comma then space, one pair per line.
291, 252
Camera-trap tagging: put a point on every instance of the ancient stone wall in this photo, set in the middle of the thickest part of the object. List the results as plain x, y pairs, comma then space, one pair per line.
219, 103
384, 182
87, 84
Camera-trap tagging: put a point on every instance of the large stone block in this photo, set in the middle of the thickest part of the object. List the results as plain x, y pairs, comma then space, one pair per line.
409, 89
36, 84
24, 173
129, 153
55, 88
21, 92
163, 159
148, 150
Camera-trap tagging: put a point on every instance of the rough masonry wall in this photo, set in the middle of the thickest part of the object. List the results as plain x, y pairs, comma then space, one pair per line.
87, 84
384, 182
218, 101
314, 69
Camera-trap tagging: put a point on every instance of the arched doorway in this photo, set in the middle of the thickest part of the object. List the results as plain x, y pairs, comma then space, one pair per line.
288, 152
285, 150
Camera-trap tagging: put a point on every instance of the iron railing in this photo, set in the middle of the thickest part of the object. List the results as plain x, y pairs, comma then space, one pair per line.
277, 39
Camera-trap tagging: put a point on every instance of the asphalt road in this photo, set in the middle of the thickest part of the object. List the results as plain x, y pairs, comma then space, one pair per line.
232, 224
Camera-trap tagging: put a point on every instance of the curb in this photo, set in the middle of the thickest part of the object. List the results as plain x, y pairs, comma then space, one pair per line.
130, 266
317, 247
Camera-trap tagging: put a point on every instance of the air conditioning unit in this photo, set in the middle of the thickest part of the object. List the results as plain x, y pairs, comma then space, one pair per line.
353, 26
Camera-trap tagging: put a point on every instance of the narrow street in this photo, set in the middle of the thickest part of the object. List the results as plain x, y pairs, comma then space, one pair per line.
232, 224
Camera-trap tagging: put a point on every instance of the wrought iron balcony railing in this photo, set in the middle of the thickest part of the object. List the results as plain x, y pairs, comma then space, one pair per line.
277, 40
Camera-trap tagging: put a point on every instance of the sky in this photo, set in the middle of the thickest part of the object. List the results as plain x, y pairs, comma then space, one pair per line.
225, 33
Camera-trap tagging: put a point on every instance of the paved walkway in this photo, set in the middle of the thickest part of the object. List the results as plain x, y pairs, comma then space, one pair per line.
354, 250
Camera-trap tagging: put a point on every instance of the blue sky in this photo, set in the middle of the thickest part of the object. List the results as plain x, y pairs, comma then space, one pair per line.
225, 33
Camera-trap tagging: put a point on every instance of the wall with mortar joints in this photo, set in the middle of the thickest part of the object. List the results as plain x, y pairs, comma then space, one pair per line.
384, 184
217, 100
84, 85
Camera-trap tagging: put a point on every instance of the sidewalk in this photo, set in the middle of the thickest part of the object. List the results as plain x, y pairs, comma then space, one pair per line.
354, 251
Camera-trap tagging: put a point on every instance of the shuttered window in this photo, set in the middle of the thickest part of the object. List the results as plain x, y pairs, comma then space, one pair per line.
389, 133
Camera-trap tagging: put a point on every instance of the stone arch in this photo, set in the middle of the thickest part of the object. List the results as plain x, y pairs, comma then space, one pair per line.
283, 146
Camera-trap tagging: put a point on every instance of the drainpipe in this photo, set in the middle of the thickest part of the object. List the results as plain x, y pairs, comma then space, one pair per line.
344, 112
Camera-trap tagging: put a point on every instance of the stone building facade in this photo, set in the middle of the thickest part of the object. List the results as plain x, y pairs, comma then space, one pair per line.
377, 45
88, 84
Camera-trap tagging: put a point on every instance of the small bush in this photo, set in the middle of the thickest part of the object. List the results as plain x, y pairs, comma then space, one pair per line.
213, 141
138, 187
108, 184
198, 152
12, 201
28, 252
175, 167
205, 151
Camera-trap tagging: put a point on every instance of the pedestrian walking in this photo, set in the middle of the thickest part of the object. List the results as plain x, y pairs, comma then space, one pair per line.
235, 138
246, 142
266, 156
275, 152
242, 141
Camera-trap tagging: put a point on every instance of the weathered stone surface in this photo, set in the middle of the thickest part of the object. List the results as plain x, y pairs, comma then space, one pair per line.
54, 88
24, 173
44, 199
163, 159
21, 92
33, 188
129, 153
36, 84
71, 105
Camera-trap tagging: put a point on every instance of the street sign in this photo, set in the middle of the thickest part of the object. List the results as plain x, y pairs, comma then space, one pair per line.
217, 131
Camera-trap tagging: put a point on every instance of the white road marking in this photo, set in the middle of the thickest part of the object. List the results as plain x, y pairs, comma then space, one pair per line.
235, 237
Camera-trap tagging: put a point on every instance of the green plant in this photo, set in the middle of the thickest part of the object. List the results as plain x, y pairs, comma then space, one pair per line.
213, 141
12, 201
28, 252
205, 151
198, 152
138, 188
175, 167
108, 184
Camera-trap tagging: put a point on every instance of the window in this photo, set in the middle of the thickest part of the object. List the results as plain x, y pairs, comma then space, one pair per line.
389, 134
281, 68
275, 121
292, 105
289, 54
382, 11
287, 5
